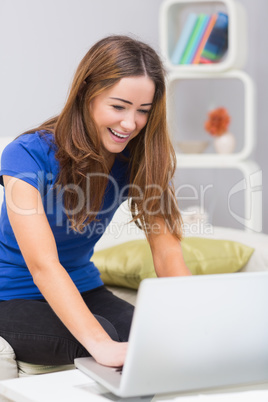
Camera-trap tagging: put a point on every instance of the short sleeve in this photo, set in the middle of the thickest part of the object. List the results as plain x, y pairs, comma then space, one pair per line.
26, 159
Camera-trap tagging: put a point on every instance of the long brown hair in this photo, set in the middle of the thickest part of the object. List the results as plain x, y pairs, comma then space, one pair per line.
152, 158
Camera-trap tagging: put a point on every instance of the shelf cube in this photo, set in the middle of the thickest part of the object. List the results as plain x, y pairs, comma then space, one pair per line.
173, 14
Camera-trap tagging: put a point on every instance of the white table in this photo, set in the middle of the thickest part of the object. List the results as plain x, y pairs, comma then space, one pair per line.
74, 386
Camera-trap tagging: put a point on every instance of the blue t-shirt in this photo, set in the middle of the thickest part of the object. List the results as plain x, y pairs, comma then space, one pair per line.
31, 157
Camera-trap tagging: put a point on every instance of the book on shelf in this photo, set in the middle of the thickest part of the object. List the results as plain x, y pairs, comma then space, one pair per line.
194, 40
199, 36
184, 38
217, 42
204, 39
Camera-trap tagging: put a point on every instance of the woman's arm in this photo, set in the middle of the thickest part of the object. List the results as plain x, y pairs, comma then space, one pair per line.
38, 247
166, 251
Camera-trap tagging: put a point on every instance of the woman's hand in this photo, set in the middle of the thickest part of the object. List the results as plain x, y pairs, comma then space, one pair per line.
110, 353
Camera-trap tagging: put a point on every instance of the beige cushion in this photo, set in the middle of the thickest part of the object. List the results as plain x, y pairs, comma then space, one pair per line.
129, 263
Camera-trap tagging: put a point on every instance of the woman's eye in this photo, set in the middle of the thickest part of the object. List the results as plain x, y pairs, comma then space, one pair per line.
117, 107
143, 111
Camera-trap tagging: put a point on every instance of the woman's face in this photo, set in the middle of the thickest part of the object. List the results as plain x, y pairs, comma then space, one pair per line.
122, 111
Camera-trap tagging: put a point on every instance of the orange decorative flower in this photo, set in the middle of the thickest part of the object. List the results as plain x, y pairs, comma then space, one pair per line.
218, 122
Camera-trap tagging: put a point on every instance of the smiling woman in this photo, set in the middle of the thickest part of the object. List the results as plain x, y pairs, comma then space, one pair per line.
64, 181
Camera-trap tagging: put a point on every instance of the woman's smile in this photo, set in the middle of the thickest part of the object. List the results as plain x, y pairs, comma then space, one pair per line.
119, 137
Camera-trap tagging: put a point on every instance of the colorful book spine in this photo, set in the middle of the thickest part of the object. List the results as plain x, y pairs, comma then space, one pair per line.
209, 27
184, 38
192, 40
217, 42
199, 36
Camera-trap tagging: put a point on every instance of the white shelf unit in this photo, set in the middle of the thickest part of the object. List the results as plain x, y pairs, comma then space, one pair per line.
249, 115
172, 18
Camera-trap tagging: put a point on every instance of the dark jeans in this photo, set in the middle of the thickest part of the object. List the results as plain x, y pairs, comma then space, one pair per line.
38, 336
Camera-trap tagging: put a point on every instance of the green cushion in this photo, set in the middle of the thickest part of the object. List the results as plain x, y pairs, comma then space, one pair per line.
129, 263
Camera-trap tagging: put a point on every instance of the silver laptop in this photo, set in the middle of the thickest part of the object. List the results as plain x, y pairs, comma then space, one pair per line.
192, 333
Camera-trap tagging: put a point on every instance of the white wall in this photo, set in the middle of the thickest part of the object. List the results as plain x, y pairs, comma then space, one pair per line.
42, 42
